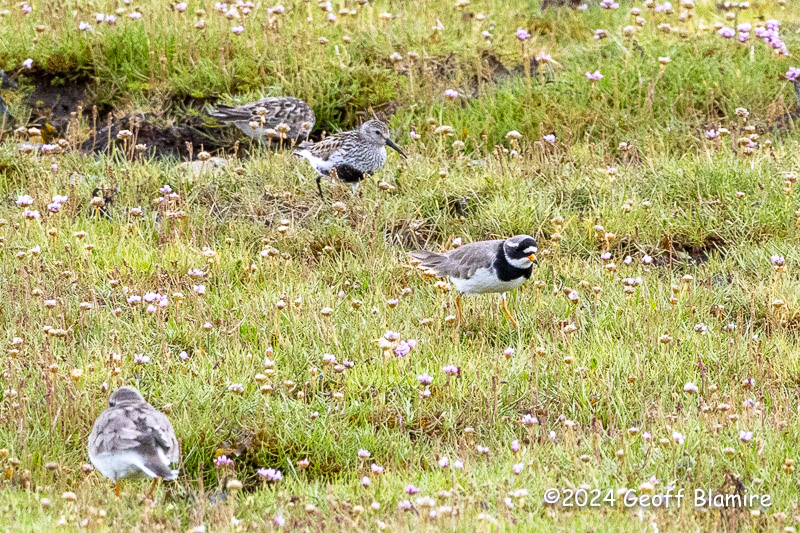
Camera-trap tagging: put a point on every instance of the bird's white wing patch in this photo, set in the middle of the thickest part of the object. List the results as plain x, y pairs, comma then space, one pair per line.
320, 165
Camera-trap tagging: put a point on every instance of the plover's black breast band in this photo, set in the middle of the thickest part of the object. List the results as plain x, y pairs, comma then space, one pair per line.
506, 271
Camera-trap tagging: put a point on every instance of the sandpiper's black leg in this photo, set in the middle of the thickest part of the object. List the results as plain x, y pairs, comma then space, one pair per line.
319, 186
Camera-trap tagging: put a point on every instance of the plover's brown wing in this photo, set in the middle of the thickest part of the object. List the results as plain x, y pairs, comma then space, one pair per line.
328, 146
112, 432
155, 428
462, 262
133, 427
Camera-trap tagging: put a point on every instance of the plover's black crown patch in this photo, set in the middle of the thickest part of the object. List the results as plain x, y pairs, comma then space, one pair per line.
520, 247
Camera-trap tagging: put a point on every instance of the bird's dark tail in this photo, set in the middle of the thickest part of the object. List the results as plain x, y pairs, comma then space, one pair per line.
152, 464
428, 260
229, 114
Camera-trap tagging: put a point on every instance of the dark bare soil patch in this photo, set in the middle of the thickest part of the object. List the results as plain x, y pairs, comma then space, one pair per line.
672, 250
786, 121
413, 234
328, 244
55, 98
449, 69
683, 251
382, 112
460, 206
493, 71
162, 137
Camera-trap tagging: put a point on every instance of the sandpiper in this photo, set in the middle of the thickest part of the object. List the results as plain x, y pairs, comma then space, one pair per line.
350, 155
484, 266
131, 439
284, 118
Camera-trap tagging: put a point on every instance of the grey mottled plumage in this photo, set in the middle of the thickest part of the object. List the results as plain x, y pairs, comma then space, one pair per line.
255, 118
484, 266
352, 154
4, 109
131, 439
6, 82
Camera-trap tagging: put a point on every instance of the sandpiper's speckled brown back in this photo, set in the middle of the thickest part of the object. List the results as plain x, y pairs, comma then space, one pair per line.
325, 148
288, 110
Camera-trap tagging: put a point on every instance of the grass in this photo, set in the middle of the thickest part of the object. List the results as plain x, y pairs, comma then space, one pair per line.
289, 277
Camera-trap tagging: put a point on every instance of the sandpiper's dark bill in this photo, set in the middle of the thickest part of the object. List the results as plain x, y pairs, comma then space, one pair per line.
390, 143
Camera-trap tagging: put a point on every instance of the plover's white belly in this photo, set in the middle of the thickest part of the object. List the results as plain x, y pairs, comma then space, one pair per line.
485, 280
119, 465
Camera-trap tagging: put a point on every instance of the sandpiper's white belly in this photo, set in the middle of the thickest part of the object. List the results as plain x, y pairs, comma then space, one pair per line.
485, 280
320, 165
